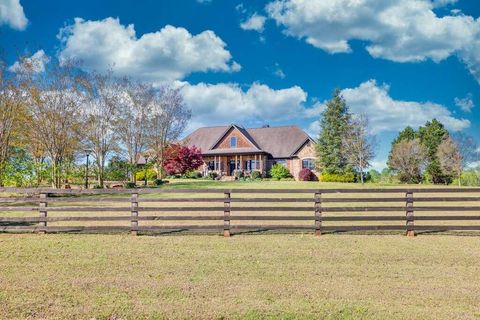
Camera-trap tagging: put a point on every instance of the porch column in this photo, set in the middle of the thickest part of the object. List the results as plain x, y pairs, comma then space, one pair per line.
241, 162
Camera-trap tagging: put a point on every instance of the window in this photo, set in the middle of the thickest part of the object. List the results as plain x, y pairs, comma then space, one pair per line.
282, 162
233, 142
252, 165
308, 163
211, 165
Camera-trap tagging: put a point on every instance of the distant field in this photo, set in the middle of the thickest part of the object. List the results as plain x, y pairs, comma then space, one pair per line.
243, 277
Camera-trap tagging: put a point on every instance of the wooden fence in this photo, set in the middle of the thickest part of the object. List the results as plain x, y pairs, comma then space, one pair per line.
242, 210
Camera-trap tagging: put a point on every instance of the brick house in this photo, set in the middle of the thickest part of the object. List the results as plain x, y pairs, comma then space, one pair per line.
229, 148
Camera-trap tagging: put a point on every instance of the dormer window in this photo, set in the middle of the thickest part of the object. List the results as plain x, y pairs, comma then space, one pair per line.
233, 142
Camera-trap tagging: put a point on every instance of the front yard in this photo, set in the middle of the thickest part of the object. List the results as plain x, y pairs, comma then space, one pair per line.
246, 276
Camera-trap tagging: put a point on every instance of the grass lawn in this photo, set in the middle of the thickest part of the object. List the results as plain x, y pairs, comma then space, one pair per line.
248, 276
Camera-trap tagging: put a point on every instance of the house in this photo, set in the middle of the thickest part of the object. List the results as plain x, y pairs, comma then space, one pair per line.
229, 148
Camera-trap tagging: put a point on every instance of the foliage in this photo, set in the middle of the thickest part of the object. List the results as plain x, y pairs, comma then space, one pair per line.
117, 169
431, 136
407, 134
238, 174
130, 185
329, 149
333, 177
254, 175
151, 174
306, 175
469, 177
181, 159
408, 159
212, 175
158, 182
192, 175
278, 171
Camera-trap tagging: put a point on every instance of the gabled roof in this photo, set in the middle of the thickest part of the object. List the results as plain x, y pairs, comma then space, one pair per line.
280, 142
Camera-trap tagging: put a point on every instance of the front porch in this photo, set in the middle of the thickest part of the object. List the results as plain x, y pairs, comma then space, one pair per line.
226, 165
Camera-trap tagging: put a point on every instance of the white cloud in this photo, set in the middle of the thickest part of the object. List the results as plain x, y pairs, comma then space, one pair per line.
401, 31
214, 104
442, 3
36, 63
169, 54
204, 1
387, 114
465, 104
255, 22
11, 13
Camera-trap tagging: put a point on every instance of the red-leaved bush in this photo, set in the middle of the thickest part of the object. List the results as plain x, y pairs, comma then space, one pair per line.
181, 159
306, 175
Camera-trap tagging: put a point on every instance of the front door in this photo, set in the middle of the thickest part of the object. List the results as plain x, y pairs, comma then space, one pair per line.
232, 167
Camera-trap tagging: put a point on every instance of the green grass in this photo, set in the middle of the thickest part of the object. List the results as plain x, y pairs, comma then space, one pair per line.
249, 277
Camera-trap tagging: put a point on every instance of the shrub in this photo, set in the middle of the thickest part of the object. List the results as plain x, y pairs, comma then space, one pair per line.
212, 175
306, 175
130, 185
158, 182
151, 174
256, 175
192, 175
97, 187
238, 174
332, 177
278, 172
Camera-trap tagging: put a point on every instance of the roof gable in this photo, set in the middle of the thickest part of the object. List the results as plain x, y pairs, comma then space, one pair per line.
280, 142
244, 140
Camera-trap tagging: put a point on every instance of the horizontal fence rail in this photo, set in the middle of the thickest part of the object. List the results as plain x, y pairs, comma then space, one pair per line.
407, 210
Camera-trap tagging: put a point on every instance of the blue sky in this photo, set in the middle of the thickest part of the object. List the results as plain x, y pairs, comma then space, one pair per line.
273, 62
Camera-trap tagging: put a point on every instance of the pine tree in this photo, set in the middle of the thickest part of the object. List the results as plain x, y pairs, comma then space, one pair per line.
431, 136
334, 122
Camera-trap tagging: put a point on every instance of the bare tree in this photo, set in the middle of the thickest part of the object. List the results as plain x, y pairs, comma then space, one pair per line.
12, 114
55, 103
467, 147
136, 100
450, 158
167, 121
101, 111
408, 159
358, 144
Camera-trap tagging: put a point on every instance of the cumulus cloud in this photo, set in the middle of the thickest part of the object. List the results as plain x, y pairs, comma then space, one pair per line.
255, 22
214, 104
442, 3
465, 104
11, 13
169, 54
387, 114
400, 31
36, 63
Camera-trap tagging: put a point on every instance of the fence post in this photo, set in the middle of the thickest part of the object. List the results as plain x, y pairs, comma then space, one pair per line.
318, 213
226, 214
42, 210
134, 215
409, 214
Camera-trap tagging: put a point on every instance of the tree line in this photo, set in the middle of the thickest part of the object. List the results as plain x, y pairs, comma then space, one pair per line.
50, 119
431, 154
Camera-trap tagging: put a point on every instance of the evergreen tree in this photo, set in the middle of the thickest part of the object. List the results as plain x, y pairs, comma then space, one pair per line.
408, 134
331, 158
431, 136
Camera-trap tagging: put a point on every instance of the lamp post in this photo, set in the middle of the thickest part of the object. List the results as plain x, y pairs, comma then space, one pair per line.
146, 171
87, 153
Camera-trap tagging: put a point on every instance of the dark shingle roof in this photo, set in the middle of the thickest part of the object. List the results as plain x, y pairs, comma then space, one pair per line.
280, 142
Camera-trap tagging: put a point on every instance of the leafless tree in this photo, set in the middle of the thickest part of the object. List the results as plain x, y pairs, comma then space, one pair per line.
467, 147
408, 159
136, 101
12, 114
358, 144
167, 121
55, 103
101, 111
450, 158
